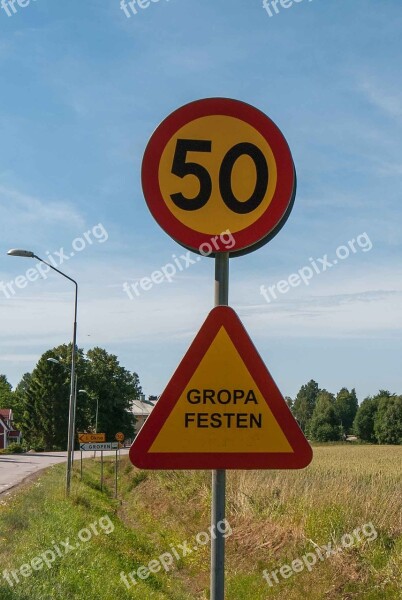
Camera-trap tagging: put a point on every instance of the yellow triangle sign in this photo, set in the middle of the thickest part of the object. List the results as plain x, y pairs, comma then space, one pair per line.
221, 409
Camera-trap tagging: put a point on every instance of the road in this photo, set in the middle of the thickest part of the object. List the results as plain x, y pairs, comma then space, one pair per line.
14, 468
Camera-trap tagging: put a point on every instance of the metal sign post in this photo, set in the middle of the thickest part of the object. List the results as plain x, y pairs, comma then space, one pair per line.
246, 189
116, 473
101, 470
219, 476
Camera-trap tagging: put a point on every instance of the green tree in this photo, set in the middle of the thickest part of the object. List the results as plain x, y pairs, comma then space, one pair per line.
388, 420
6, 394
324, 425
304, 403
20, 398
289, 402
346, 406
363, 425
114, 388
45, 416
45, 397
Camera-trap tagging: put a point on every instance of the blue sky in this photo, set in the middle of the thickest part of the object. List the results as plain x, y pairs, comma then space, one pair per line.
83, 88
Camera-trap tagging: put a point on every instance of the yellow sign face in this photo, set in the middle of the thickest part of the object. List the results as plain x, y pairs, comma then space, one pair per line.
119, 437
221, 398
85, 438
240, 179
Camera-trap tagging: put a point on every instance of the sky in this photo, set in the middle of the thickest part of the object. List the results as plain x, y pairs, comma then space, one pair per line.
83, 88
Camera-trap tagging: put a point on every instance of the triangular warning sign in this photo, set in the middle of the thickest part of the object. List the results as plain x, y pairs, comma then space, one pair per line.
221, 409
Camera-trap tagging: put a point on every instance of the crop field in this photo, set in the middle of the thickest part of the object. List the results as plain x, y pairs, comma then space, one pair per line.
332, 531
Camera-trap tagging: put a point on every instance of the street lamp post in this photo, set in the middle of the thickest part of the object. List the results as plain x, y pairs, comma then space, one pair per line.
73, 388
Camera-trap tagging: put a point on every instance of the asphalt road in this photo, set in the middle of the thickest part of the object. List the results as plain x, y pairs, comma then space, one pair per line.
14, 468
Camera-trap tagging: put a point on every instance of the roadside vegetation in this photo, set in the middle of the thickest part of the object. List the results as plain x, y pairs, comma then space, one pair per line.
276, 517
326, 417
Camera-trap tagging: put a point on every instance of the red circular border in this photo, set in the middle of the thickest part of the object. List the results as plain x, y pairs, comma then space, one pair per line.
269, 223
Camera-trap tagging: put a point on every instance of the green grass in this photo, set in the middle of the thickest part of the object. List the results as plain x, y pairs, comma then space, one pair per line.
275, 517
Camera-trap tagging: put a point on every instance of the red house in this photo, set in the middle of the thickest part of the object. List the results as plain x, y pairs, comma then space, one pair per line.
8, 433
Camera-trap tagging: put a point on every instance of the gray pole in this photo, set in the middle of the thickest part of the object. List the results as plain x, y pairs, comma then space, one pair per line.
73, 400
75, 411
73, 387
219, 476
101, 470
115, 485
96, 419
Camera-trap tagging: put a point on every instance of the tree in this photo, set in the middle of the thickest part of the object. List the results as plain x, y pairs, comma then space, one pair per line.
363, 425
19, 398
388, 420
304, 403
6, 393
289, 402
324, 424
44, 421
114, 388
346, 406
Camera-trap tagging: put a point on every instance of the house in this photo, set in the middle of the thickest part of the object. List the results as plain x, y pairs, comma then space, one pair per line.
141, 410
8, 433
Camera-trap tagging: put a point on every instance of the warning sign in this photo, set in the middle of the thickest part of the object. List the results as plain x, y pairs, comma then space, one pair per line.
221, 409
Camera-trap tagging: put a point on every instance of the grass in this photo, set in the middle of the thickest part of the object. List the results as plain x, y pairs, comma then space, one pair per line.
275, 517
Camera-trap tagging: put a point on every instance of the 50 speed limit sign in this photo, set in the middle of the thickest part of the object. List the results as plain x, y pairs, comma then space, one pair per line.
219, 165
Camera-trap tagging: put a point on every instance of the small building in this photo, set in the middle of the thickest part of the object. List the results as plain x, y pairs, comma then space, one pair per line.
141, 410
8, 433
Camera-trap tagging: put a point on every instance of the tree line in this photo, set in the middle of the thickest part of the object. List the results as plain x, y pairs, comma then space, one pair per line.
40, 402
326, 417
106, 390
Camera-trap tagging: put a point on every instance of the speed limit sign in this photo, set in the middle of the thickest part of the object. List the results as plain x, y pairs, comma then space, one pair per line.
219, 165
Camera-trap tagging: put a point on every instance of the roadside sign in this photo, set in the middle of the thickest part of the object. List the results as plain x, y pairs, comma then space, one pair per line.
219, 166
92, 437
119, 437
107, 446
221, 409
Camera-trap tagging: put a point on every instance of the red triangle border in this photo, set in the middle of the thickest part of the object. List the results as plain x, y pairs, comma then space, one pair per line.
218, 317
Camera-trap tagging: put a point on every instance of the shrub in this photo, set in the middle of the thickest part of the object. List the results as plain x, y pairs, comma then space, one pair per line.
13, 448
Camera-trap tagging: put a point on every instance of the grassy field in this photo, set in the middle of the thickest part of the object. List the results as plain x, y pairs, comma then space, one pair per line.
349, 496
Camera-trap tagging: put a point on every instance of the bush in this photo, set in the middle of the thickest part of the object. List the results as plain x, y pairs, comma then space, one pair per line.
38, 448
13, 448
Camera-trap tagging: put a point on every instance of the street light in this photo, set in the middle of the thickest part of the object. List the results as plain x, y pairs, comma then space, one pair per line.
73, 388
55, 361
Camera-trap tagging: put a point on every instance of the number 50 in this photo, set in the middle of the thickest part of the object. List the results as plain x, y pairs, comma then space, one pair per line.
181, 168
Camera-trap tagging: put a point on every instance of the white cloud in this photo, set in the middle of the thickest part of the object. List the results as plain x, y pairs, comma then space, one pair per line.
20, 209
389, 102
